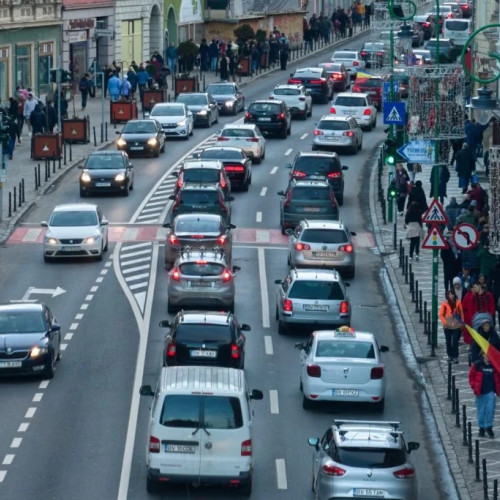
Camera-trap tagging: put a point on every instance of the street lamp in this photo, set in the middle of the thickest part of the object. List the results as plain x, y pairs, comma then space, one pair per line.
483, 105
405, 36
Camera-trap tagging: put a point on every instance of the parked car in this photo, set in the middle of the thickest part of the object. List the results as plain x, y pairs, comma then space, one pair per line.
372, 86
228, 96
316, 81
175, 119
358, 105
247, 137
351, 59
338, 75
202, 172
338, 132
141, 137
373, 54
271, 116
203, 106
297, 98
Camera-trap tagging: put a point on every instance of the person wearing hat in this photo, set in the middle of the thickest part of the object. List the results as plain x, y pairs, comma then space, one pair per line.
483, 324
458, 288
450, 314
126, 90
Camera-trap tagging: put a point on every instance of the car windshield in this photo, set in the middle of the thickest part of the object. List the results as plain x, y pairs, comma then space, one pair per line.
286, 92
311, 193
324, 236
200, 198
220, 90
196, 99
21, 322
145, 127
333, 125
344, 55
237, 132
73, 218
203, 332
372, 458
104, 162
345, 349
316, 166
197, 226
265, 107
221, 154
168, 111
201, 175
201, 268
316, 290
456, 25
350, 101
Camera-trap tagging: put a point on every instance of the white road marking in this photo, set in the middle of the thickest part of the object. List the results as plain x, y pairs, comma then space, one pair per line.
258, 217
23, 427
64, 346
104, 272
8, 459
274, 170
263, 191
136, 261
281, 474
80, 315
108, 263
30, 413
273, 401
84, 307
137, 277
99, 280
68, 336
3, 473
89, 298
268, 344
134, 269
303, 136
134, 246
45, 383
139, 285
73, 326
288, 151
37, 397
264, 297
262, 235
16, 442
94, 289
134, 254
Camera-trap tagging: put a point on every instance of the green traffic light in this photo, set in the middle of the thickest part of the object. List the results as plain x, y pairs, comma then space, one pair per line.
390, 160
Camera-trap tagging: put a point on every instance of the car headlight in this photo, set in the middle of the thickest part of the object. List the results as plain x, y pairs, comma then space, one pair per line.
85, 177
51, 241
230, 103
121, 142
120, 177
182, 123
153, 141
91, 240
37, 351
203, 112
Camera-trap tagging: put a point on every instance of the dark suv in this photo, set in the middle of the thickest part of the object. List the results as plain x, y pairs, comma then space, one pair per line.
318, 166
272, 116
316, 81
205, 338
372, 86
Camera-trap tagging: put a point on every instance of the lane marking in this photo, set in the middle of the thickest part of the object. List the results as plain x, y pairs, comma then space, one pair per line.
104, 272
135, 261
88, 298
16, 442
137, 277
281, 474
303, 136
274, 170
133, 247
73, 326
94, 289
8, 459
30, 413
3, 473
258, 217
144, 284
84, 307
288, 151
263, 191
135, 254
80, 315
273, 401
37, 397
99, 280
45, 383
268, 345
68, 336
63, 346
109, 262
264, 297
134, 269
23, 427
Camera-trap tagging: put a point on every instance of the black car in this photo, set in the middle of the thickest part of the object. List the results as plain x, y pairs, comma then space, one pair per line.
205, 338
338, 74
206, 172
144, 137
202, 105
426, 22
320, 166
316, 81
30, 340
237, 164
228, 96
272, 116
373, 54
105, 172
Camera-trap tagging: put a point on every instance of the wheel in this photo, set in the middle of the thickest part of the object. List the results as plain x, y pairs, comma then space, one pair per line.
152, 485
246, 488
310, 111
284, 133
307, 404
257, 160
288, 261
216, 118
186, 138
83, 194
360, 146
46, 258
305, 114
231, 307
369, 127
282, 328
350, 273
379, 407
283, 229
99, 257
162, 150
375, 123
126, 191
245, 186
191, 133
354, 149
171, 309
263, 157
234, 112
156, 153
50, 370
59, 353
277, 315
340, 199
105, 249
289, 131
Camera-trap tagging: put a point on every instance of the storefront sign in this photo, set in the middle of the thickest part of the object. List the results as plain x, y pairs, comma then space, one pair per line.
79, 24
77, 36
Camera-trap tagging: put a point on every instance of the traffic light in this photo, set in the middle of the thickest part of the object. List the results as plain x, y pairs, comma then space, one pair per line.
392, 191
66, 76
53, 75
390, 152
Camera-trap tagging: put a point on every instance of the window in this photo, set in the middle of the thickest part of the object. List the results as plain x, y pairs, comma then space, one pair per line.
201, 175
237, 132
45, 63
181, 411
196, 226
203, 332
287, 92
23, 66
222, 413
202, 269
316, 290
222, 155
325, 236
200, 197
350, 101
4, 73
345, 349
333, 125
370, 457
21, 322
316, 166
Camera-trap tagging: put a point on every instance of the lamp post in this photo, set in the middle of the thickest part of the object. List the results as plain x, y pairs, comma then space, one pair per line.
483, 105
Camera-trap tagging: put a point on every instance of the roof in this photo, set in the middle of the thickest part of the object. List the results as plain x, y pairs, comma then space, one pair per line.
192, 163
351, 94
310, 183
366, 433
240, 126
322, 154
70, 207
336, 118
288, 86
323, 224
195, 254
21, 306
317, 274
193, 316
113, 152
224, 148
266, 101
198, 216
330, 335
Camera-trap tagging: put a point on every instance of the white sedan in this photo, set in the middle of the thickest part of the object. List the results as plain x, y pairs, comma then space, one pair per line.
342, 365
296, 97
358, 105
175, 118
246, 137
75, 230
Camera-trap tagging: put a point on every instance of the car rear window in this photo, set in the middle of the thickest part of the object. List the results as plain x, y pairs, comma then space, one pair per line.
201, 175
373, 458
345, 349
373, 46
221, 412
181, 411
200, 198
344, 55
318, 165
197, 226
324, 236
350, 101
220, 89
237, 132
316, 290
456, 25
22, 322
333, 125
311, 193
204, 332
307, 74
286, 91
224, 154
265, 107
201, 269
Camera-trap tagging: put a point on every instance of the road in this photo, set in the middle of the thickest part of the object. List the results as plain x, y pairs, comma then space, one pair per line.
83, 436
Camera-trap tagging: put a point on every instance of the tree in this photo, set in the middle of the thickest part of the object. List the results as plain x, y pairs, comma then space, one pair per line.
188, 51
244, 33
260, 36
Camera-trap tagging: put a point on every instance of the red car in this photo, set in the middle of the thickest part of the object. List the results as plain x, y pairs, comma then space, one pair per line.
371, 86
338, 75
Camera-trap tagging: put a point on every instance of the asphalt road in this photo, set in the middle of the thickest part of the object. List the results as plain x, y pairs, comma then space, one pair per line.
83, 435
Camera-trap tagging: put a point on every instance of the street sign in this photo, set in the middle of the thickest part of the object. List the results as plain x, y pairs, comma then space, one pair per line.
435, 239
394, 113
386, 89
104, 32
418, 151
465, 236
435, 214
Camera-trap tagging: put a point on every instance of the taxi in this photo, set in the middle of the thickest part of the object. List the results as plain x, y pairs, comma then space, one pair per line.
342, 365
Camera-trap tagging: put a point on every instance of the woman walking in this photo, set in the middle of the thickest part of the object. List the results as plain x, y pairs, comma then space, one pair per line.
401, 179
450, 310
414, 229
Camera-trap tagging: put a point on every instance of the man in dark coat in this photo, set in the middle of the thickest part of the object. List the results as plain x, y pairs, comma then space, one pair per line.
417, 195
283, 55
444, 177
451, 264
466, 164
51, 116
37, 119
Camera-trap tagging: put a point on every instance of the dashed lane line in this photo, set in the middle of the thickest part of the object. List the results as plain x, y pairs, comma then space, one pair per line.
23, 427
264, 297
268, 345
263, 191
30, 412
258, 217
274, 170
288, 151
281, 474
303, 136
273, 402
16, 442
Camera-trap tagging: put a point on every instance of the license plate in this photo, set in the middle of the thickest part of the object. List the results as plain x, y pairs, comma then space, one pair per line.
102, 184
11, 364
368, 492
333, 138
200, 353
179, 448
311, 209
315, 307
136, 148
203, 284
264, 119
345, 392
324, 254
70, 249
372, 92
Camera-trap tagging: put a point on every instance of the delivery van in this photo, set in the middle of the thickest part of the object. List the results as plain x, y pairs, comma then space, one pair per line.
457, 30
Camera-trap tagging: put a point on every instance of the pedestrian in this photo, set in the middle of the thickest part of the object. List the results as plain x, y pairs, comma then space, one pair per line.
204, 57
401, 179
172, 56
417, 195
133, 80
465, 166
85, 86
458, 289
13, 112
114, 87
443, 178
414, 229
485, 382
484, 325
451, 263
451, 315
142, 79
283, 55
29, 107
126, 89
476, 301
213, 54
13, 131
477, 193
51, 116
452, 211
487, 260
37, 119
487, 143
223, 67
63, 103
467, 278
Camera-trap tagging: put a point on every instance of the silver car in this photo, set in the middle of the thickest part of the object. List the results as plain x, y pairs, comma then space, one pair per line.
175, 119
246, 137
363, 459
201, 278
312, 297
338, 132
75, 230
322, 243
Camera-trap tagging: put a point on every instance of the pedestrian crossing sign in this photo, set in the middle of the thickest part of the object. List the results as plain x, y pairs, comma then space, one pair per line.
435, 240
435, 214
394, 113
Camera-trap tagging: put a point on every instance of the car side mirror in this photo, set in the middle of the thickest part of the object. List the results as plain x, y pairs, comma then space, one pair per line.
164, 323
300, 346
55, 328
289, 231
104, 222
384, 348
171, 197
146, 115
175, 174
236, 268
345, 167
281, 193
130, 165
246, 328
118, 132
195, 156
291, 74
412, 446
230, 198
278, 282
353, 233
146, 390
231, 226
314, 442
256, 394
190, 113
167, 225
44, 223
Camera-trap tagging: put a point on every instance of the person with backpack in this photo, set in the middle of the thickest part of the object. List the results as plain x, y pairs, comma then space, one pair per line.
85, 87
450, 314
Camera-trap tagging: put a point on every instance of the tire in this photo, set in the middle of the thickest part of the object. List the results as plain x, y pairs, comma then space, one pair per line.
289, 131
360, 146
350, 273
379, 406
256, 160
46, 258
171, 309
152, 485
284, 133
245, 186
354, 149
59, 353
245, 488
314, 147
263, 157
234, 112
231, 308
340, 199
162, 150
126, 191
277, 315
187, 137
310, 111
105, 249
83, 194
216, 118
156, 153
305, 115
369, 127
282, 329
50, 370
99, 257
375, 123
191, 133
307, 404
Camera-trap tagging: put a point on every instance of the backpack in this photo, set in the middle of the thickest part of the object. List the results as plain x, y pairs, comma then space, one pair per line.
83, 84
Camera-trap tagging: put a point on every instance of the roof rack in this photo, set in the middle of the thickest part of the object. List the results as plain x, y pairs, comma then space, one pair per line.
395, 425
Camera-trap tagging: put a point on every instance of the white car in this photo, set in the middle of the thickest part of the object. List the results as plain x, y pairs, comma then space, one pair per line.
246, 137
75, 230
358, 105
342, 365
175, 119
296, 97
351, 59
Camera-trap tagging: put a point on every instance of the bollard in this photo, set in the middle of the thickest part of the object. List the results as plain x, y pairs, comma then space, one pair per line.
204, 84
64, 153
457, 408
420, 301
47, 166
469, 436
106, 130
495, 489
412, 286
425, 316
448, 397
102, 133
71, 151
95, 137
416, 297
406, 270
453, 394
464, 424
59, 163
477, 460
14, 199
20, 198
36, 180
39, 178
401, 252
429, 331
10, 204
485, 480
23, 191
54, 166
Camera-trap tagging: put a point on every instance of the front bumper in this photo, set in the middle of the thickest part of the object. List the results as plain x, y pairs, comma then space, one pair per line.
104, 186
137, 149
372, 392
23, 366
176, 131
76, 249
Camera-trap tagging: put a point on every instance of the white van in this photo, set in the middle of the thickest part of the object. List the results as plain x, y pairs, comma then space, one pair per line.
458, 30
200, 428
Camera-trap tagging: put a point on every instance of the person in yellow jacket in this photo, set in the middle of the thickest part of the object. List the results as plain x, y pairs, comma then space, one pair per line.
450, 310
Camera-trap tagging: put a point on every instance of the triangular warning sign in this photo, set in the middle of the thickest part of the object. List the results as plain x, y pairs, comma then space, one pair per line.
394, 116
434, 239
435, 214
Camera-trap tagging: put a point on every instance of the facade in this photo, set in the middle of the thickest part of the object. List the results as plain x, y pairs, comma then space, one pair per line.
183, 20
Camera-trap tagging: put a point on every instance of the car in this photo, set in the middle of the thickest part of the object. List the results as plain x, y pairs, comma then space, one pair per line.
297, 98
448, 51
203, 106
338, 75
175, 119
106, 172
322, 243
351, 59
312, 297
418, 35
465, 8
384, 37
316, 81
75, 230
200, 199
31, 340
206, 172
311, 199
342, 365
423, 57
373, 53
338, 132
457, 30
402, 80
271, 116
205, 338
141, 136
197, 230
358, 105
426, 22
372, 86
446, 11
228, 96
246, 137
455, 8
363, 459
201, 278
237, 164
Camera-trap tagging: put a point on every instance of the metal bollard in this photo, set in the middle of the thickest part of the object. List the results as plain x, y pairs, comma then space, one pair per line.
20, 198
469, 437
47, 166
54, 166
464, 424
204, 84
485, 480
412, 286
10, 204
64, 153
14, 199
453, 394
429, 331
36, 179
477, 460
425, 316
416, 296
95, 137
23, 191
495, 489
420, 309
406, 270
401, 253
448, 396
59, 163
39, 178
102, 133
106, 130
70, 152
457, 408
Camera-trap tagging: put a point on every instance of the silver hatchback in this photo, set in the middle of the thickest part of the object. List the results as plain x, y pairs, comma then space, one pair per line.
341, 132
201, 278
322, 243
363, 459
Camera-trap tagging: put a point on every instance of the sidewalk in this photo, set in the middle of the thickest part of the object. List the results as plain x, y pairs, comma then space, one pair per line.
435, 369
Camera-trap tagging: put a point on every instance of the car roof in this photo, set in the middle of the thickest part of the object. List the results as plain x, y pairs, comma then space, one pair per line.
323, 224
344, 50
199, 187
201, 164
318, 154
350, 434
266, 101
194, 316
333, 118
330, 335
316, 274
192, 93
20, 307
288, 86
111, 152
313, 69
199, 216
193, 255
227, 84
168, 104
223, 148
241, 126
309, 183
71, 207
352, 94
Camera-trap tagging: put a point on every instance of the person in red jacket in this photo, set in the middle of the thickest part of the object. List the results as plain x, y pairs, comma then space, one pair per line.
485, 382
476, 300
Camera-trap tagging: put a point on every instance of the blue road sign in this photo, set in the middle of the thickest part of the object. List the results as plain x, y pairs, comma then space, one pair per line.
386, 89
418, 151
394, 113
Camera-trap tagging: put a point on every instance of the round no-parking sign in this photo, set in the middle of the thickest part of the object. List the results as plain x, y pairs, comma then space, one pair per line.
465, 236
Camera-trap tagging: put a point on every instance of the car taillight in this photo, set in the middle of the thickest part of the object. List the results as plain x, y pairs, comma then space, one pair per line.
337, 76
333, 111
356, 88
288, 305
246, 448
154, 445
302, 99
297, 174
349, 133
235, 351
405, 473
363, 53
234, 168
226, 276
334, 175
367, 112
173, 240
314, 370
332, 470
171, 350
355, 63
175, 275
223, 138
377, 373
346, 248
344, 307
318, 132
221, 240
294, 80
253, 139
426, 25
281, 116
248, 115
317, 82
302, 246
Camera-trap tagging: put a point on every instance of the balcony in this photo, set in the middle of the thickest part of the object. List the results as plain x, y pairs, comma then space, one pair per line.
29, 12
